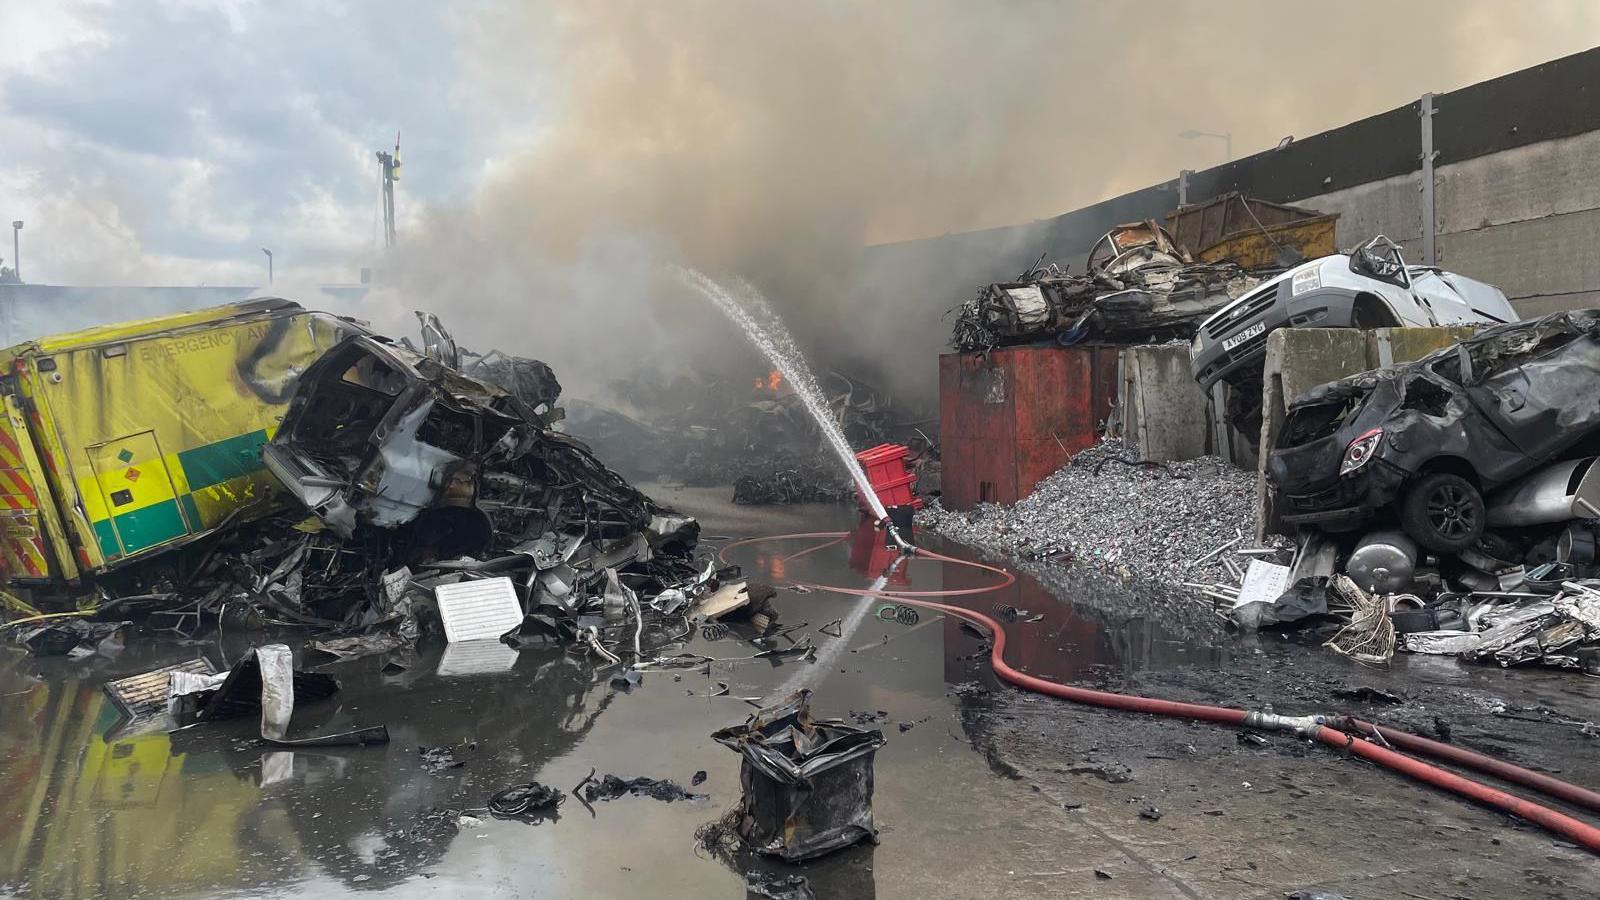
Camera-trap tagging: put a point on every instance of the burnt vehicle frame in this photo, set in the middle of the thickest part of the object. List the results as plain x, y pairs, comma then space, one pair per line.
380, 437
1426, 441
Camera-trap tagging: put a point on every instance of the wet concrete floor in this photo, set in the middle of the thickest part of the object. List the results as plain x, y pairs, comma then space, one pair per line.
990, 792
92, 807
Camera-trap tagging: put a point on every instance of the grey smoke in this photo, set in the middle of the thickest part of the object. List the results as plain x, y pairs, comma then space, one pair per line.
775, 140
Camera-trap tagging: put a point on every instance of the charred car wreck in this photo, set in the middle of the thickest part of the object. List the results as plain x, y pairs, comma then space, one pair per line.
379, 439
1427, 441
1464, 491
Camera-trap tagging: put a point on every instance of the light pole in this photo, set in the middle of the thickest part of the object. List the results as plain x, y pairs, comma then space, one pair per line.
269, 264
16, 249
1226, 136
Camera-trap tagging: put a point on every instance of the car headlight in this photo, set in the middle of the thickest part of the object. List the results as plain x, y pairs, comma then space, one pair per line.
1309, 280
1194, 347
1359, 451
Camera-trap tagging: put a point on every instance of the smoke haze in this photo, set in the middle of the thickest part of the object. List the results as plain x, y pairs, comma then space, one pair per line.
775, 140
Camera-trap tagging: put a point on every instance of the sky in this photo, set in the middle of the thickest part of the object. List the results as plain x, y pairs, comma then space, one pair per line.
556, 152
167, 141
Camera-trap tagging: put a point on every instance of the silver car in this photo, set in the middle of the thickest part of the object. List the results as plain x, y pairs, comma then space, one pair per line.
1370, 288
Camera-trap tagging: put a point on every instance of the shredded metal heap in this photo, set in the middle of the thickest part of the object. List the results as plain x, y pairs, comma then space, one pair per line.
1135, 519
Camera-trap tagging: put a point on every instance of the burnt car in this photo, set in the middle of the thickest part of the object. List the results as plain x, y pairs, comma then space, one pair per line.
381, 439
1423, 442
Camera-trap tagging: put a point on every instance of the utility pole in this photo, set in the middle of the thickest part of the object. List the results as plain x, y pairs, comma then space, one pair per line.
269, 264
16, 249
391, 173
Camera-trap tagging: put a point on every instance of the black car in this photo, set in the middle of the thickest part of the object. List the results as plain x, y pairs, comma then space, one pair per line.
1423, 442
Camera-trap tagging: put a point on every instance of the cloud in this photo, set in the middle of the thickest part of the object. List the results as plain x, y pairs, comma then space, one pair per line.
195, 134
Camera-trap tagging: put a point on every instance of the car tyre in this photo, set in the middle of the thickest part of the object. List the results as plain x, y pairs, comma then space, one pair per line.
1444, 513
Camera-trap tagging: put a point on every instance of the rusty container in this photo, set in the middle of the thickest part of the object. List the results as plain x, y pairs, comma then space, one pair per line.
1009, 418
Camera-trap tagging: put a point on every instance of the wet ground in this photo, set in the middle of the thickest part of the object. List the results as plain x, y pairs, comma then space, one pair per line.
985, 793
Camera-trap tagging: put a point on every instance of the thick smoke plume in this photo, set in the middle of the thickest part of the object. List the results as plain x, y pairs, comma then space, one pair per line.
775, 140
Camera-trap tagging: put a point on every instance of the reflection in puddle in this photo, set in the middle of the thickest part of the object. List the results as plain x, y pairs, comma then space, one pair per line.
92, 806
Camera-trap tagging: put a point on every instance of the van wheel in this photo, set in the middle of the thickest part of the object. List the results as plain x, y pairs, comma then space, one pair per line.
1444, 513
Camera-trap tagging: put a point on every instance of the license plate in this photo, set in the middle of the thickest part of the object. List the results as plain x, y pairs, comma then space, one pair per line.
1245, 335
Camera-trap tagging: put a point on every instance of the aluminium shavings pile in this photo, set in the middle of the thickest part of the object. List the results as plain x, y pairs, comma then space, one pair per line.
1136, 521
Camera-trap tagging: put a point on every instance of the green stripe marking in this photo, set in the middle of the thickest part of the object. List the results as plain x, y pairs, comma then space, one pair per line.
150, 526
107, 537
225, 459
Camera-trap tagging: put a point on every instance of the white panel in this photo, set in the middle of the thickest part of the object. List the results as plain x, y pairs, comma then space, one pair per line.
475, 610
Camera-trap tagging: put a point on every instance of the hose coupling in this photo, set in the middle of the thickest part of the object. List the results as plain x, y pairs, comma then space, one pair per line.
1304, 726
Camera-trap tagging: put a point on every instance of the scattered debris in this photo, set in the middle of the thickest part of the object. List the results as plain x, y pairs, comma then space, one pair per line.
610, 787
698, 779
530, 802
1367, 694
75, 638
439, 759
778, 887
807, 784
1150, 812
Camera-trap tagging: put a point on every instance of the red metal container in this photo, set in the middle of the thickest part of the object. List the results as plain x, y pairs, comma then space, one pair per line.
885, 467
1008, 420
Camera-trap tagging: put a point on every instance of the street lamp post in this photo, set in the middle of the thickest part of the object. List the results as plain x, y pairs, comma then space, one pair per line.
1225, 136
16, 249
269, 264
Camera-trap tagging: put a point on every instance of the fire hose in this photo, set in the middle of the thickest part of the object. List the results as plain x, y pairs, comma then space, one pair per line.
1315, 727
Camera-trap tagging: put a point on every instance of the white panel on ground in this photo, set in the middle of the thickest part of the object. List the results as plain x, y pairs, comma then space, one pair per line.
479, 657
1264, 582
474, 610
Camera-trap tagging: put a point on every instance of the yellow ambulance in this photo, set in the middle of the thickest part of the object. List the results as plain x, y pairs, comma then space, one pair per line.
122, 441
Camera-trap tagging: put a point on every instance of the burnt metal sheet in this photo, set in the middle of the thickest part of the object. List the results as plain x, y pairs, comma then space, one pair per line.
146, 694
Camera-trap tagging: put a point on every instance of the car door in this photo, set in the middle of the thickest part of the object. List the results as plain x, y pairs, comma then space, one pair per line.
1543, 400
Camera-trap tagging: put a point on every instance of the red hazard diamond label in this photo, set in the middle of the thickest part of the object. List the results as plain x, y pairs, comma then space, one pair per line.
132, 474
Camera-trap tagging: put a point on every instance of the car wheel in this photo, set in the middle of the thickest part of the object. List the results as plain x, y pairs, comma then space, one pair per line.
1443, 512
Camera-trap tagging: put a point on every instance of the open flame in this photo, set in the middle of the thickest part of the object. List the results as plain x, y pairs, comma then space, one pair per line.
771, 382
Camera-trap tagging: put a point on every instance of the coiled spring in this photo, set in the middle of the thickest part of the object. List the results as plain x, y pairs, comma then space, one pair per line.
905, 615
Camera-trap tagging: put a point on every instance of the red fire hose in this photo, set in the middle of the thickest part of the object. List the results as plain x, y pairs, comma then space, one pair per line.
1575, 830
1468, 759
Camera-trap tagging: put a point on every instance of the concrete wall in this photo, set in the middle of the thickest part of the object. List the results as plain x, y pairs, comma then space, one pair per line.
1525, 219
1165, 415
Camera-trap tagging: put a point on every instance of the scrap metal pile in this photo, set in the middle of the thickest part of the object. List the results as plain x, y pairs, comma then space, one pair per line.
401, 477
1157, 522
1458, 496
1140, 287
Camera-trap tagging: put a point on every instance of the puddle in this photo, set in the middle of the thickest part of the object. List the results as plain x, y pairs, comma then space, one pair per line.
93, 807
